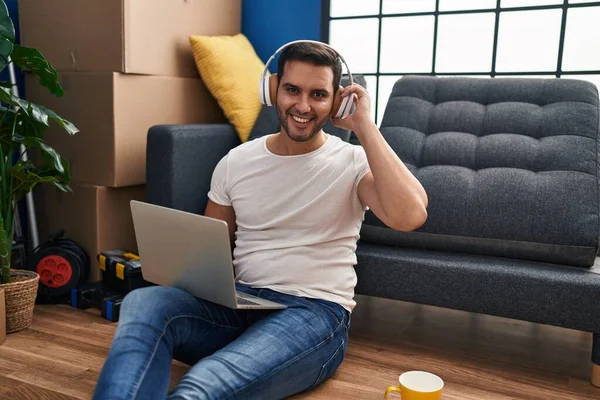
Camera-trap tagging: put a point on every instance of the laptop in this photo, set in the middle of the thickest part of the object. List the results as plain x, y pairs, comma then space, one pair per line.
190, 252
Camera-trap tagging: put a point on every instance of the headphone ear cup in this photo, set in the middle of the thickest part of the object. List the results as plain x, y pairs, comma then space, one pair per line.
261, 91
272, 89
337, 103
345, 107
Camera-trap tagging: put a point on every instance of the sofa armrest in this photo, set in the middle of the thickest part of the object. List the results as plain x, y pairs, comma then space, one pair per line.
180, 160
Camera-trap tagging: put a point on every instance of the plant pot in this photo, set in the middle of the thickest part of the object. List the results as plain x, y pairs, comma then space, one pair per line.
20, 296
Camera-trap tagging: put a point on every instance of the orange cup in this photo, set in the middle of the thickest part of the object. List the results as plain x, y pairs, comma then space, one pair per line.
418, 385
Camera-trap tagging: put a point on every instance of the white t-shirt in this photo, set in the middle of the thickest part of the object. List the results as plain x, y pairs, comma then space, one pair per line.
298, 217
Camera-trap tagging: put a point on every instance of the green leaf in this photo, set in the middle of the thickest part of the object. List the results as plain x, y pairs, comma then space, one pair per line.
63, 173
35, 111
66, 167
64, 187
28, 127
66, 125
7, 97
7, 35
29, 133
8, 142
30, 109
26, 179
55, 164
6, 47
52, 156
32, 60
22, 131
39, 113
7, 28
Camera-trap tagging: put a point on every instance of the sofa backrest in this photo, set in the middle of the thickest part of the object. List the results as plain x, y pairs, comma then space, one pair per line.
510, 166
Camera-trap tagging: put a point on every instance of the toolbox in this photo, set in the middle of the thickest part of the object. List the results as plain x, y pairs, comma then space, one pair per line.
121, 273
98, 296
111, 308
121, 270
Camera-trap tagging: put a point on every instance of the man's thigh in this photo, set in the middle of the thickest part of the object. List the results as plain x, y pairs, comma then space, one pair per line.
192, 328
282, 353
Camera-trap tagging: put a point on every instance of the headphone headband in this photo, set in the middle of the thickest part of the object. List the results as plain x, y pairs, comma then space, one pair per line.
266, 69
341, 108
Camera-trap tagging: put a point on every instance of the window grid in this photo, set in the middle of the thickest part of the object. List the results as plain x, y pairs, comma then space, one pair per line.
565, 6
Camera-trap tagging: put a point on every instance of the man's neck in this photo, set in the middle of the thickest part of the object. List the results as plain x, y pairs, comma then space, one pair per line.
282, 145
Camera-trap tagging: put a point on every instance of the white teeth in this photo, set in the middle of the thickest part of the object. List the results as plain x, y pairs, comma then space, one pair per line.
298, 119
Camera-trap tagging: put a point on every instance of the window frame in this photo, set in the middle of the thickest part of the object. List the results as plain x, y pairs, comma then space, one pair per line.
564, 6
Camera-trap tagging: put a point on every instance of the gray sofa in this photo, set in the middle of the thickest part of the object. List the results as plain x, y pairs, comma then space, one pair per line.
511, 170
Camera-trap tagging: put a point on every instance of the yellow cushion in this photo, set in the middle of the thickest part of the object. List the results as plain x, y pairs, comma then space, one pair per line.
231, 69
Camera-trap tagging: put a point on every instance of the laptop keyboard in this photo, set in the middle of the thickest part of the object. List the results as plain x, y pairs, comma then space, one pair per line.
241, 300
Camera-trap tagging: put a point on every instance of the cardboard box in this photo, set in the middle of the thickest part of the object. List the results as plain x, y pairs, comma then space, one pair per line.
2, 317
131, 36
97, 218
113, 112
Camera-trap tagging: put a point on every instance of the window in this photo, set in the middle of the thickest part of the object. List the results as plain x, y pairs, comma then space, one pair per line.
386, 39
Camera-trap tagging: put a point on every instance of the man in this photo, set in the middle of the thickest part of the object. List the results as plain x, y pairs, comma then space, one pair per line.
294, 202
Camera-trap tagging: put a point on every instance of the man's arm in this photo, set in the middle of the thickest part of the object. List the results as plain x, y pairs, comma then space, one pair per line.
390, 190
225, 213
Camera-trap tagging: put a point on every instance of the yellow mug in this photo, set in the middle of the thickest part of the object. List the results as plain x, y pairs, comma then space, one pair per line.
418, 385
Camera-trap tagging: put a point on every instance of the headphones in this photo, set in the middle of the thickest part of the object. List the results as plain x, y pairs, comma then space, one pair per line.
268, 86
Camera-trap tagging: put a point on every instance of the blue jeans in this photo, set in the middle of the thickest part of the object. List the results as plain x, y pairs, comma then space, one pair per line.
233, 354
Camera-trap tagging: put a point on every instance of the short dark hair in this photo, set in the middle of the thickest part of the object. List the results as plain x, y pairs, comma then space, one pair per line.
314, 53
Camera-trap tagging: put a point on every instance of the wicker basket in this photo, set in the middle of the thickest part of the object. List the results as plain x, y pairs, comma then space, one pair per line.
20, 296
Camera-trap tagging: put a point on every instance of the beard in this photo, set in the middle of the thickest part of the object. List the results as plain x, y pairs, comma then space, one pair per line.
296, 134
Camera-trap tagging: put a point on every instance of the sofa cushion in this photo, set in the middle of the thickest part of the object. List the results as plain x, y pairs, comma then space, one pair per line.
268, 122
510, 288
510, 166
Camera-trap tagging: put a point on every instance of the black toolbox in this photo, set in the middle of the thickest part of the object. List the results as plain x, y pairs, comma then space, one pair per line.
98, 296
121, 270
121, 273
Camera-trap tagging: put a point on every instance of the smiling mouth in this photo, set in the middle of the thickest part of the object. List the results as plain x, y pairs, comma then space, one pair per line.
300, 120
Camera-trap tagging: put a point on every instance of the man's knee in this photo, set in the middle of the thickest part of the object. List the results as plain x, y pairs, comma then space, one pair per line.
149, 302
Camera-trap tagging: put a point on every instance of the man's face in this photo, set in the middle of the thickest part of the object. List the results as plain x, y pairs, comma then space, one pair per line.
304, 99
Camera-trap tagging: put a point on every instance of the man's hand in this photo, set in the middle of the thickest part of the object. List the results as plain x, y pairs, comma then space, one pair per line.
361, 118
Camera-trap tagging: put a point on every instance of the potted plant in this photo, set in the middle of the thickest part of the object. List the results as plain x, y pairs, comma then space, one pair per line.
22, 126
